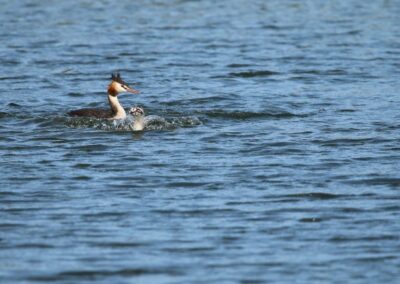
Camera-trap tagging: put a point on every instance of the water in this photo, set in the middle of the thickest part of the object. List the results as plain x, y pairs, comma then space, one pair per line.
290, 172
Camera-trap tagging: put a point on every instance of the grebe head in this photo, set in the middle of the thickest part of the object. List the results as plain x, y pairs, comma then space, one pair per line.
118, 86
136, 111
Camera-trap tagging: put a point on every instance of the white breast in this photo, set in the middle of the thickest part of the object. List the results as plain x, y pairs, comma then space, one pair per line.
138, 125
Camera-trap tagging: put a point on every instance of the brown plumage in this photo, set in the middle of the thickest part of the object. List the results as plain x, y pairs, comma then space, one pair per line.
92, 112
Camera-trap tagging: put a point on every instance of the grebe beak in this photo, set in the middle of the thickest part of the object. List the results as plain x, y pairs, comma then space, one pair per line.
130, 90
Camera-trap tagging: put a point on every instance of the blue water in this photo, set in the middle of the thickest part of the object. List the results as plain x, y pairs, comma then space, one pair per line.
282, 164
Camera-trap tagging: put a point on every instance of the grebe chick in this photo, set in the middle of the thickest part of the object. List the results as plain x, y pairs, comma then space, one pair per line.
139, 123
116, 87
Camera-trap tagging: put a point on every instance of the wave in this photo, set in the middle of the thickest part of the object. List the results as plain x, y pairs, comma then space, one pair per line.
250, 74
274, 114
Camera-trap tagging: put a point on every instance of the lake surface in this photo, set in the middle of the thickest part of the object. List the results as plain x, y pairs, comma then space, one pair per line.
282, 164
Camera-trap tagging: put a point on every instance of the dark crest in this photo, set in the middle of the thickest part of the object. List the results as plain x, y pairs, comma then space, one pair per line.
117, 78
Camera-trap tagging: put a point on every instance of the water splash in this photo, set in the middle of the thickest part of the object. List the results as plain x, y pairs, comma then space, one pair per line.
153, 122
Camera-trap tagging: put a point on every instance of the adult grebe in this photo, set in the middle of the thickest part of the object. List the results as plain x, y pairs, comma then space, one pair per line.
116, 87
139, 122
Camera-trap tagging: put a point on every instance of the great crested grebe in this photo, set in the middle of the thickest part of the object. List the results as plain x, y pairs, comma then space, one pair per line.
116, 87
139, 123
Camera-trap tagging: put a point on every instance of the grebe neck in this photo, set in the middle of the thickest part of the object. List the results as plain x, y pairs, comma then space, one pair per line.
118, 110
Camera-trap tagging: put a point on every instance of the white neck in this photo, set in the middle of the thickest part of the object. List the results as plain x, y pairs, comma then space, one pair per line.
138, 124
118, 110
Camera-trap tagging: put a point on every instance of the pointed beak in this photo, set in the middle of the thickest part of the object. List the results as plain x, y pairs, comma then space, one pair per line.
131, 90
